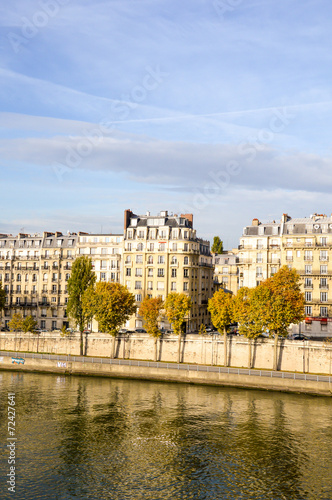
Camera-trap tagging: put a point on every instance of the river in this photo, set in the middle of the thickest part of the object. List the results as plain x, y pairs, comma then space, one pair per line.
101, 438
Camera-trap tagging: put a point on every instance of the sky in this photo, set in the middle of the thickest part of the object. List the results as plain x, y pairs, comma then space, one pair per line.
220, 108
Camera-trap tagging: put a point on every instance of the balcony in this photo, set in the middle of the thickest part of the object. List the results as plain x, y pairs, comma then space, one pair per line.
308, 286
308, 258
324, 258
324, 287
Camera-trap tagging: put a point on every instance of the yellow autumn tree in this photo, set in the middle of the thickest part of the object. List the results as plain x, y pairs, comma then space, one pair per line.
111, 304
283, 304
248, 304
221, 307
150, 310
177, 306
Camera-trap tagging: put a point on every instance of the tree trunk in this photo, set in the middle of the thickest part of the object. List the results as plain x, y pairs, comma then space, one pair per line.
113, 347
249, 353
275, 362
81, 342
155, 348
225, 347
179, 347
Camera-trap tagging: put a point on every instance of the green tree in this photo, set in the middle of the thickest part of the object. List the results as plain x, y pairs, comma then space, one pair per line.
248, 304
2, 298
151, 311
283, 304
222, 312
217, 246
82, 277
111, 304
15, 324
29, 324
177, 306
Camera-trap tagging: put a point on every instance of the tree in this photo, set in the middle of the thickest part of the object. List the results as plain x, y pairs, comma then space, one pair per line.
15, 324
221, 308
283, 304
217, 246
29, 324
177, 306
248, 304
2, 298
202, 329
111, 304
151, 311
82, 277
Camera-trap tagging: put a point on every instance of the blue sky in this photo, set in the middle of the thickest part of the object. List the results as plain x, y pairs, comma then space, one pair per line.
217, 107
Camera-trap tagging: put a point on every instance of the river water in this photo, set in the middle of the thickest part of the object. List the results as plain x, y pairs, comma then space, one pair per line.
99, 438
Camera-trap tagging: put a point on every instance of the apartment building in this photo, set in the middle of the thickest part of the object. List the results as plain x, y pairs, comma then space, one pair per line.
34, 270
163, 254
304, 244
226, 271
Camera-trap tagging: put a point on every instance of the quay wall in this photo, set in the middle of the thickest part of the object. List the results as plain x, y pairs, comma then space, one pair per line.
294, 356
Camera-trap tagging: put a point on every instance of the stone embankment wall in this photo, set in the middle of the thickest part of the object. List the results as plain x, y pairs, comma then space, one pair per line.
294, 356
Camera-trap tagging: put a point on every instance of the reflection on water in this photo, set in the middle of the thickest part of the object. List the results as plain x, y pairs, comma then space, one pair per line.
89, 438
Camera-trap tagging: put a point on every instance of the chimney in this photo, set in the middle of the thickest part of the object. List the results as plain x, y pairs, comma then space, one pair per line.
255, 222
285, 218
127, 214
190, 218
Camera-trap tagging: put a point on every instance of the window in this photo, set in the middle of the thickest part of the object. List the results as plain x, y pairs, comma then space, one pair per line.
103, 264
289, 255
102, 276
323, 296
18, 277
138, 285
129, 247
174, 261
54, 289
45, 288
161, 259
259, 272
308, 282
308, 296
139, 271
138, 297
162, 247
150, 285
174, 273
323, 269
273, 270
308, 269
308, 310
151, 247
150, 259
259, 257
323, 255
43, 323
173, 286
141, 234
308, 242
128, 271
18, 289
113, 277
174, 247
54, 276
323, 283
34, 277
139, 259
186, 261
161, 272
185, 286
67, 276
185, 247
128, 259
69, 253
128, 284
160, 285
186, 273
150, 272
45, 276
26, 277
53, 299
140, 247
323, 241
130, 234
104, 251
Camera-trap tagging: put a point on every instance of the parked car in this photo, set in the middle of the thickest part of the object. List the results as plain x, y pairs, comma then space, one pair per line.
298, 336
140, 330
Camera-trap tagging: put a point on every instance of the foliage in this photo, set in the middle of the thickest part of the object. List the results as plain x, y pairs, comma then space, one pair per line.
177, 306
15, 324
217, 246
283, 302
64, 331
111, 304
221, 308
2, 298
150, 310
202, 329
29, 324
82, 277
249, 306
